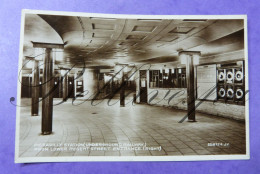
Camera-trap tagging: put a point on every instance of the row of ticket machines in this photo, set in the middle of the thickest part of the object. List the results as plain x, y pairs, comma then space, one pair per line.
231, 83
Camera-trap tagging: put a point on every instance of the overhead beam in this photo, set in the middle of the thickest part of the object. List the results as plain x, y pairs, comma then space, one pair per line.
224, 57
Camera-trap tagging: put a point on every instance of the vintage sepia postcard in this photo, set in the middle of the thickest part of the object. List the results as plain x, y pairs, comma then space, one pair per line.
107, 87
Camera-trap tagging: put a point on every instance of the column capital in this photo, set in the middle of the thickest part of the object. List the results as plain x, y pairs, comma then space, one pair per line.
30, 58
47, 45
189, 52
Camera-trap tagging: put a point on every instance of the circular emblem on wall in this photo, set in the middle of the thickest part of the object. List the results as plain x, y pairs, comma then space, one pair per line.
222, 92
221, 76
239, 76
230, 93
230, 76
239, 93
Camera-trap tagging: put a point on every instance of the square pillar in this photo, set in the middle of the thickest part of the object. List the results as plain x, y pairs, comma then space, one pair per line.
122, 91
47, 93
35, 89
189, 58
190, 89
64, 85
47, 85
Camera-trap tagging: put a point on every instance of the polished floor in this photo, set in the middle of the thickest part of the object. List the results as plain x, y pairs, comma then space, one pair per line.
156, 128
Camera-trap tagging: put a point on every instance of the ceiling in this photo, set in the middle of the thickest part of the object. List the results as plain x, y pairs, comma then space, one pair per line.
104, 42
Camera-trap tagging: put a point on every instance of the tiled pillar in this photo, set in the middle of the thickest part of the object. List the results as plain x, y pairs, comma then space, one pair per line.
119, 70
188, 57
47, 85
65, 87
90, 84
35, 89
47, 102
190, 89
122, 91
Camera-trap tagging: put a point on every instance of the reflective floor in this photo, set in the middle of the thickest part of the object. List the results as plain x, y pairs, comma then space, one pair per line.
154, 129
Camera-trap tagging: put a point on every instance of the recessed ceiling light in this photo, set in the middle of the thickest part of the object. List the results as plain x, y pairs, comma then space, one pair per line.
140, 51
182, 30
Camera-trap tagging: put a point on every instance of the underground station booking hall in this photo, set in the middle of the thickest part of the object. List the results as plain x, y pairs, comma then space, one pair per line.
130, 87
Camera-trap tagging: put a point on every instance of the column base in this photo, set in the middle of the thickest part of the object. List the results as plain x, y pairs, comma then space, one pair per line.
192, 121
35, 114
46, 133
